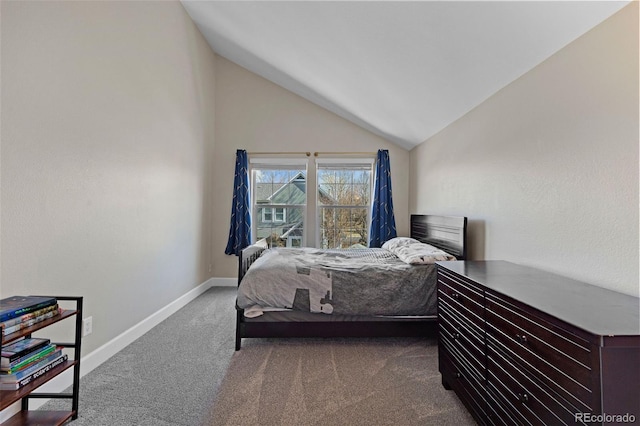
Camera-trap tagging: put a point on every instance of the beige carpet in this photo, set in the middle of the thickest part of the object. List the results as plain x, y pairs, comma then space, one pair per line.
336, 382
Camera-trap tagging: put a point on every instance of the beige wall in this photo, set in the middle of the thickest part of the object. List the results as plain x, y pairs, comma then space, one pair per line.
547, 169
257, 115
107, 145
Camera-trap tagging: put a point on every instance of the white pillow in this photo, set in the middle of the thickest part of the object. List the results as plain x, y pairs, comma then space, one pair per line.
397, 242
420, 253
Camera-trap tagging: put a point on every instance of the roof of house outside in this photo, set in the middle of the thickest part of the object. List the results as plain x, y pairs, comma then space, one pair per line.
278, 192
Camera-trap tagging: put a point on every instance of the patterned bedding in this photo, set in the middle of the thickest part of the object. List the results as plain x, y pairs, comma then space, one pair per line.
351, 282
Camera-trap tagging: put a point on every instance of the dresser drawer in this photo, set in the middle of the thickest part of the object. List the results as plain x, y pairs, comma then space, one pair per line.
463, 318
529, 397
462, 295
537, 353
461, 302
568, 366
470, 392
473, 312
464, 366
560, 382
461, 285
566, 343
462, 343
497, 412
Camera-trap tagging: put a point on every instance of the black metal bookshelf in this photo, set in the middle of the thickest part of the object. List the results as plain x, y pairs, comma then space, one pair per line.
24, 394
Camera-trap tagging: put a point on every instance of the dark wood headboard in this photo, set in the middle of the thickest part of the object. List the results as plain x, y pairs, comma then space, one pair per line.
448, 233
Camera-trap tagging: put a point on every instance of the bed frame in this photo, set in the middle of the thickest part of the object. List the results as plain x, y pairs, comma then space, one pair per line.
448, 233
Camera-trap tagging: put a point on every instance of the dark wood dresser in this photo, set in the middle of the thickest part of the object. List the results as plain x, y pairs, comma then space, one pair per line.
523, 346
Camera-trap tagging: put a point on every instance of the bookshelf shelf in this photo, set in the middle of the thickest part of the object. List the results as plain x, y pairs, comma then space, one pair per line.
41, 417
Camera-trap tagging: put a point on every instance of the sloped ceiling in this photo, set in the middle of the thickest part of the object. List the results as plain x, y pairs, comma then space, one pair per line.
403, 70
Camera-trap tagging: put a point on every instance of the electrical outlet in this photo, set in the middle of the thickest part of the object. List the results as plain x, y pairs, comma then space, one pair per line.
87, 326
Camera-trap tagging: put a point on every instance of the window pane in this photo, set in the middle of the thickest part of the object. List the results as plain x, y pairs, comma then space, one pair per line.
344, 195
265, 213
279, 199
344, 187
283, 233
343, 227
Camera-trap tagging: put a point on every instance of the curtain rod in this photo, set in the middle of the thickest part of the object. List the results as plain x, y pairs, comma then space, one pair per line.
308, 154
315, 154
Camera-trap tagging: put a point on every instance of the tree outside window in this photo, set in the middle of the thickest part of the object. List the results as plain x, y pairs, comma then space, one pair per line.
344, 202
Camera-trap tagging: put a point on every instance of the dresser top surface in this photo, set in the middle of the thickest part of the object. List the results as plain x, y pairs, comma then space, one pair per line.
596, 310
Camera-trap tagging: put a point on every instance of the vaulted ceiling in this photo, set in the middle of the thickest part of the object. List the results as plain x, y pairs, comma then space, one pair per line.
403, 70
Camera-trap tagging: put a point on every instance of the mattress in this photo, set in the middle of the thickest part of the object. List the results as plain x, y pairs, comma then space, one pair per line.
358, 282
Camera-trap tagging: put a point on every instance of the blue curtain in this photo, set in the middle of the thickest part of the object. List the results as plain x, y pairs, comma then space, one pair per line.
383, 223
240, 229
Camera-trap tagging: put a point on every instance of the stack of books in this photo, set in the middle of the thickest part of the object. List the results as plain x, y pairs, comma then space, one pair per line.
19, 312
26, 359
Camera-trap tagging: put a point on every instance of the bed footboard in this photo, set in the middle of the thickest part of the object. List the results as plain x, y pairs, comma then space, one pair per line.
246, 258
249, 255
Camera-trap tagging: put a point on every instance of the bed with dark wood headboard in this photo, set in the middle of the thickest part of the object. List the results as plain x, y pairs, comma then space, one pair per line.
447, 233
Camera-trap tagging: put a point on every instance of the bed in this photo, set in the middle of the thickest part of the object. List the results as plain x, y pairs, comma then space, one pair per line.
319, 299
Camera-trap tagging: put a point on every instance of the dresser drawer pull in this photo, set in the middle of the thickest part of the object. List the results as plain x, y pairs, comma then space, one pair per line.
521, 338
456, 336
523, 397
457, 375
455, 295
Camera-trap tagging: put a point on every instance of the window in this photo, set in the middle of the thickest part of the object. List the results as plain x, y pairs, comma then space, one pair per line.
279, 199
275, 214
343, 203
267, 214
295, 241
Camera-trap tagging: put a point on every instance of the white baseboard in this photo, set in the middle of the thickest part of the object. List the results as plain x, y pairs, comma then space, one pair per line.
115, 345
106, 351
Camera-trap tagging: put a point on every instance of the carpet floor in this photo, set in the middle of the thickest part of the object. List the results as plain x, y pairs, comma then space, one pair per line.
336, 382
169, 376
185, 372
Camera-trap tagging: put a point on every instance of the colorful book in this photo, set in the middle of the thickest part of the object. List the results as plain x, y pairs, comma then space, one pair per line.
19, 375
29, 316
15, 350
29, 322
16, 306
24, 361
38, 373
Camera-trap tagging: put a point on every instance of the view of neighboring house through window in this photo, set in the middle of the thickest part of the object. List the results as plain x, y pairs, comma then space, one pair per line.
279, 195
342, 200
343, 203
274, 214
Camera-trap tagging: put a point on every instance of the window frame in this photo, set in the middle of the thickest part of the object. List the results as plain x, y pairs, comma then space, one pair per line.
265, 211
261, 163
283, 211
345, 163
273, 211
